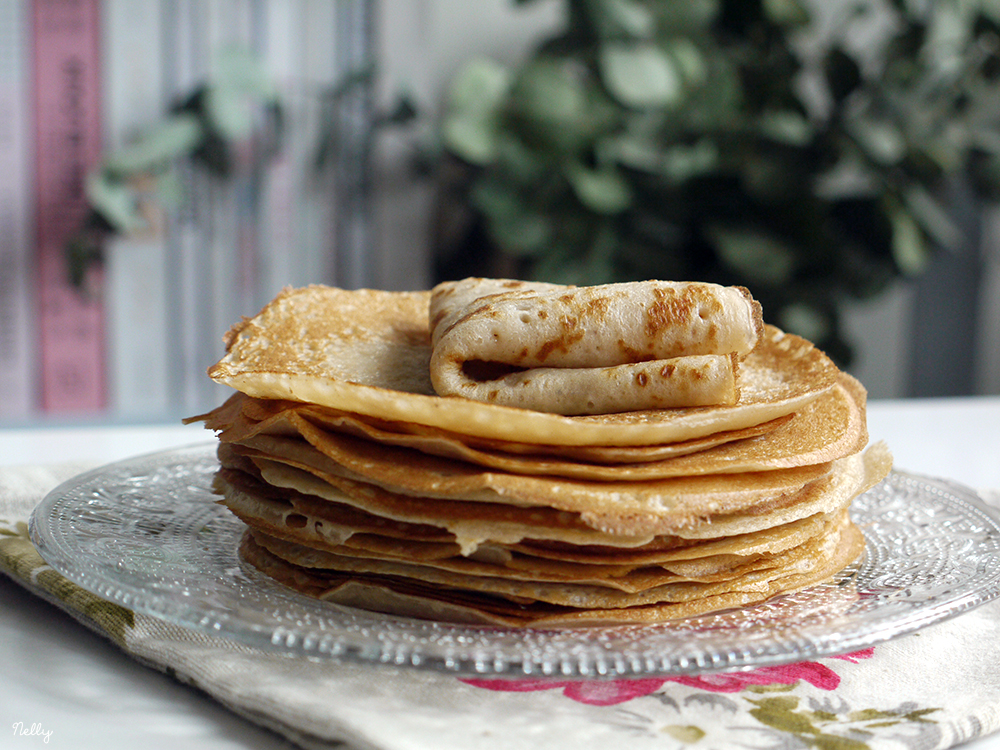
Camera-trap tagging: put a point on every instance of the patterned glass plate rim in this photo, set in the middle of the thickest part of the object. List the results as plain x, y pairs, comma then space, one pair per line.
147, 533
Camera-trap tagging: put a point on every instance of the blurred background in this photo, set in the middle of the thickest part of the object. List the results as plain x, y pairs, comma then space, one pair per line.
167, 166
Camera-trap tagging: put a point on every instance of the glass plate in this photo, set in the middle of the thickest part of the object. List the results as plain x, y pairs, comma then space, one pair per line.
147, 533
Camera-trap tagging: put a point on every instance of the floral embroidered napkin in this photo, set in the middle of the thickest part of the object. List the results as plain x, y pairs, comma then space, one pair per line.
933, 689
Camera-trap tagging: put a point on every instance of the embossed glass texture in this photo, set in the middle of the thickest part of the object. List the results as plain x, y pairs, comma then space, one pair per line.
147, 533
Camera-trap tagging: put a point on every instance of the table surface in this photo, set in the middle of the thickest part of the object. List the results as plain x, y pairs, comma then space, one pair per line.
59, 675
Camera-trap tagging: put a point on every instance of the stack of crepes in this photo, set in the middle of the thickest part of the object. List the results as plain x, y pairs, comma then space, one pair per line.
514, 454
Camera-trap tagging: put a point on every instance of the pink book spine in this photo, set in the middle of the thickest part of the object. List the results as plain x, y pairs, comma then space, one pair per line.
67, 125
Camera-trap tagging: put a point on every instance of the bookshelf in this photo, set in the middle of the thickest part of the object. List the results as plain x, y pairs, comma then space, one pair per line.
82, 78
165, 295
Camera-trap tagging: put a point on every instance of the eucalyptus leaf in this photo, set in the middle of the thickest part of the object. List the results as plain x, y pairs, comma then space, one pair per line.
114, 201
175, 137
933, 217
720, 102
687, 17
617, 17
550, 95
883, 141
909, 248
634, 151
558, 106
238, 71
548, 91
786, 12
806, 321
238, 87
475, 99
757, 256
787, 127
603, 191
230, 113
522, 235
515, 225
479, 88
948, 34
682, 163
690, 61
522, 164
641, 75
472, 138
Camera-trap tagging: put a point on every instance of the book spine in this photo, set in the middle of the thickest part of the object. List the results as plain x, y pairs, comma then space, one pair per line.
17, 334
316, 252
135, 265
67, 127
186, 66
231, 249
352, 191
278, 201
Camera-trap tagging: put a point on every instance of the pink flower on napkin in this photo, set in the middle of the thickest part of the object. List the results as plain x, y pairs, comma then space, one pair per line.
591, 692
611, 692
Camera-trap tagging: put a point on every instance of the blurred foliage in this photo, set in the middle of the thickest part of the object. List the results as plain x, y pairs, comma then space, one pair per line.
238, 103
737, 141
341, 100
231, 124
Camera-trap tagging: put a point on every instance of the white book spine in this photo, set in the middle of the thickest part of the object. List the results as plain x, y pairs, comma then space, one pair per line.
18, 359
278, 229
186, 66
316, 253
136, 283
230, 258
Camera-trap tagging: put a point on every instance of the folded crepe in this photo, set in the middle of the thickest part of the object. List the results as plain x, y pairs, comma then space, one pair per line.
591, 350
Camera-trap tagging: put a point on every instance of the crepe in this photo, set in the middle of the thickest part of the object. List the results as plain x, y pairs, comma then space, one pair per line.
411, 597
368, 352
830, 427
697, 512
362, 484
242, 414
590, 350
643, 587
331, 525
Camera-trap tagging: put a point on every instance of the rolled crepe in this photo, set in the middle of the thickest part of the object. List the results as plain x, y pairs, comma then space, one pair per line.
591, 350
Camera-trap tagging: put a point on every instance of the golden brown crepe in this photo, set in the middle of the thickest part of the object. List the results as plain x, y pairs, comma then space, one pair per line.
368, 352
360, 484
830, 427
590, 350
413, 597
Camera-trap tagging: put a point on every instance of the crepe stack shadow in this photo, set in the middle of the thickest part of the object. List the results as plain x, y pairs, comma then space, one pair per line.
360, 485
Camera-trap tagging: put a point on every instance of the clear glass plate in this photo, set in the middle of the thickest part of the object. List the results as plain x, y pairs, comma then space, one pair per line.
147, 533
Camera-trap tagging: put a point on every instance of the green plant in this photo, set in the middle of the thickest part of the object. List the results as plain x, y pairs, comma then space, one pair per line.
736, 141
131, 186
205, 127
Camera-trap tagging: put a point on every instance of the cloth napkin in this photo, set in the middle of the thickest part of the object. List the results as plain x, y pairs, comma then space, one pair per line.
932, 689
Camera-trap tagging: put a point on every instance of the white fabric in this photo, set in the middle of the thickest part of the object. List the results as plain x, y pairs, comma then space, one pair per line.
933, 689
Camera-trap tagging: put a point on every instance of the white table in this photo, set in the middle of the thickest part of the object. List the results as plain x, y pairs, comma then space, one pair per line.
57, 673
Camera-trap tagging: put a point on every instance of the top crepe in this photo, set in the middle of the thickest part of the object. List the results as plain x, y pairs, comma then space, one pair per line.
590, 350
368, 352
